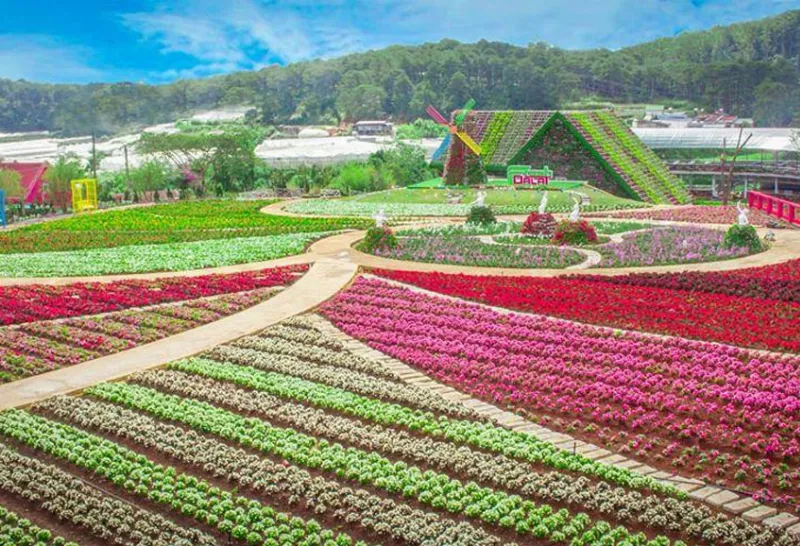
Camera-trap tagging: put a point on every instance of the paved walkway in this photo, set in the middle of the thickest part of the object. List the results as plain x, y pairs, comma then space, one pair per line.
325, 278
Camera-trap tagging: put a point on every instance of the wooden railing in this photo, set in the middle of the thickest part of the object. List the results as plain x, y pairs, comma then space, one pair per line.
788, 211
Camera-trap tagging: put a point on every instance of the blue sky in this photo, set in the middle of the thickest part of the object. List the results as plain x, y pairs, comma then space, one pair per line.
155, 41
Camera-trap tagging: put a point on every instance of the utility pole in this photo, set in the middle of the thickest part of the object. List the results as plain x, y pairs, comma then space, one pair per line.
127, 167
94, 156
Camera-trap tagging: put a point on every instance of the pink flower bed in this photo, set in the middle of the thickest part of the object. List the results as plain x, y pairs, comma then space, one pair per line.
718, 412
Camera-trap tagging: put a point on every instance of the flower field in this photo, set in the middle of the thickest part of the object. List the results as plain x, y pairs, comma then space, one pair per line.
44, 302
181, 222
722, 414
150, 258
38, 346
285, 438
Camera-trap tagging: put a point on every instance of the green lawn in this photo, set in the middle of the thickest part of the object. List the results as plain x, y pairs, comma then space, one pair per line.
181, 222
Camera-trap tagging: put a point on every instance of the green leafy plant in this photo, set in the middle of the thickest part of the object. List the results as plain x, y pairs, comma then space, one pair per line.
743, 236
481, 216
379, 238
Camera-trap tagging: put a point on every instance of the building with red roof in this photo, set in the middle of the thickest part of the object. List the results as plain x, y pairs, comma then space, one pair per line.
31, 179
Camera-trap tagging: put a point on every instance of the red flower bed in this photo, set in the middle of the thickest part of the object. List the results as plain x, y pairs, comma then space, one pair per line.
748, 322
772, 282
20, 304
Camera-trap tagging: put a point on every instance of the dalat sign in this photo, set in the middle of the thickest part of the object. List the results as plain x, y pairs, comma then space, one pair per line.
523, 175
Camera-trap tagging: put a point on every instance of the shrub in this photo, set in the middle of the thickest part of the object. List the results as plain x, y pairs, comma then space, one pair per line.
743, 236
575, 233
379, 238
481, 215
539, 225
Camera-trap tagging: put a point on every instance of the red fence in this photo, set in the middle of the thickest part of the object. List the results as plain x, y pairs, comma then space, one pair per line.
774, 206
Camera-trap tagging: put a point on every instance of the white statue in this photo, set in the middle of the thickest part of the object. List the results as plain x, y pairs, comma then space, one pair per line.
380, 218
575, 215
480, 199
743, 212
543, 203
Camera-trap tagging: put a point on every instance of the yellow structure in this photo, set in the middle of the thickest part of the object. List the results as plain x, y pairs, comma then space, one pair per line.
84, 195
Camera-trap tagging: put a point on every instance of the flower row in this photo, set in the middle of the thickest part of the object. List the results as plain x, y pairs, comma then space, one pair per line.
45, 302
17, 531
66, 498
330, 501
725, 413
37, 347
779, 282
696, 214
430, 488
162, 257
707, 316
229, 513
480, 435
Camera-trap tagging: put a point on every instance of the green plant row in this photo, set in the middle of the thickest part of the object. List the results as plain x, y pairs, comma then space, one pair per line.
17, 531
231, 514
279, 480
72, 500
618, 155
644, 155
484, 436
516, 477
494, 133
429, 488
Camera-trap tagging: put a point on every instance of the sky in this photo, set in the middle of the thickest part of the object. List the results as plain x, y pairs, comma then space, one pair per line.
82, 41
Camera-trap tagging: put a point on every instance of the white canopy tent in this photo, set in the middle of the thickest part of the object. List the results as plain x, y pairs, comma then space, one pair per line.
768, 140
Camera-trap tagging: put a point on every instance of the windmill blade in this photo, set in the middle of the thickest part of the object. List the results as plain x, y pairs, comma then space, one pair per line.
471, 144
462, 115
434, 113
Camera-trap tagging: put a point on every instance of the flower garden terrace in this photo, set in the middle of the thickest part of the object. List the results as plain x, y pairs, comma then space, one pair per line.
205, 394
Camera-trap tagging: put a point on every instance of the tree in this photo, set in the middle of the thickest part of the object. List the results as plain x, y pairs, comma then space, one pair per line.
10, 182
402, 92
150, 176
775, 104
457, 91
423, 96
362, 102
58, 177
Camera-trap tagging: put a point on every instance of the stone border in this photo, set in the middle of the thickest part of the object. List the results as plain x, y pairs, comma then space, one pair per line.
733, 503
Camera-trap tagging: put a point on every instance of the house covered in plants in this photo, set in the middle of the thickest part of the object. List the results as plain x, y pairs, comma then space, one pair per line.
594, 146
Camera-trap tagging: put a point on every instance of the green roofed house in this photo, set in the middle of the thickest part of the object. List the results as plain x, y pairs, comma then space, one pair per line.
590, 145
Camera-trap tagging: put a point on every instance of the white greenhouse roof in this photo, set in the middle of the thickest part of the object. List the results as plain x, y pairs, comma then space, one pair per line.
773, 140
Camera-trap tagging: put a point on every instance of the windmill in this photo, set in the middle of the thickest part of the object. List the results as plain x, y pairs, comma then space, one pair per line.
456, 127
461, 166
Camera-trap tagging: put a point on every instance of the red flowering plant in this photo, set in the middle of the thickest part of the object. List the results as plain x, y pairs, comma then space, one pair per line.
539, 225
575, 233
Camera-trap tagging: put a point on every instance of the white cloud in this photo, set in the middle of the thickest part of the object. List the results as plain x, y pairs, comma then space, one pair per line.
40, 58
246, 34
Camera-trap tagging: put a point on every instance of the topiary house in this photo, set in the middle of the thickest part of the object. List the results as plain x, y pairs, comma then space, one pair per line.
595, 146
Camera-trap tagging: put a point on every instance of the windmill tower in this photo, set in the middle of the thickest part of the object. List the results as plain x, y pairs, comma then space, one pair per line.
464, 164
